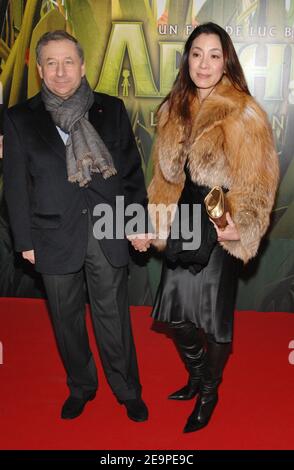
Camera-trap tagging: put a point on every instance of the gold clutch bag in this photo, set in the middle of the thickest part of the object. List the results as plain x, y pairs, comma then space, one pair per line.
217, 206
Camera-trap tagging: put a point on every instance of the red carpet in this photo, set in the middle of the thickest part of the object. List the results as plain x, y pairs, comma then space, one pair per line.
255, 410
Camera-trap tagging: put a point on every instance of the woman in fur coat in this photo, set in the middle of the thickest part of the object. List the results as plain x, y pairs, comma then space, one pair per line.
210, 132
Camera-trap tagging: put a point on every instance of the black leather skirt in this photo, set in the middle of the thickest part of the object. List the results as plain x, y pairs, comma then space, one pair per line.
207, 298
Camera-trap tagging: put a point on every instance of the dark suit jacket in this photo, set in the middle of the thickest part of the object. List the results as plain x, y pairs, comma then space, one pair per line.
49, 214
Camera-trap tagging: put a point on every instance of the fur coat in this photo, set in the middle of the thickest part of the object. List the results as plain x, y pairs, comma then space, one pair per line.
231, 145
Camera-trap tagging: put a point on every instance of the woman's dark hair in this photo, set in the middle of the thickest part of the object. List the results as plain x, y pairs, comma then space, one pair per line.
183, 90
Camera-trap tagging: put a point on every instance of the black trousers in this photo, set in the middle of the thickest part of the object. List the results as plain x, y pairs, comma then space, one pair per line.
107, 287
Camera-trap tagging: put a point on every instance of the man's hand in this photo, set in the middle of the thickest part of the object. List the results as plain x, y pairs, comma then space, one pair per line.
142, 241
29, 256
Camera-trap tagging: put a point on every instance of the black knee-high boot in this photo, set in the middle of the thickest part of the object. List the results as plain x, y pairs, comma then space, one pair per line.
216, 358
189, 342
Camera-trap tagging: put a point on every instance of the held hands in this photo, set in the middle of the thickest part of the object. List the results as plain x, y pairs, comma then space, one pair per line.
141, 242
29, 256
230, 232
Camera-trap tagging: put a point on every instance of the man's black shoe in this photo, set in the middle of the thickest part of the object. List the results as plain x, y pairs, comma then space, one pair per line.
136, 409
73, 406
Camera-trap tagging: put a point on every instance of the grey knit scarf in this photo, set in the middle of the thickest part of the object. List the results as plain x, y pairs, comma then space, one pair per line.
86, 152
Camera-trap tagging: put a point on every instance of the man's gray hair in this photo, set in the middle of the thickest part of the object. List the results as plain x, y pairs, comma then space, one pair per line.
58, 35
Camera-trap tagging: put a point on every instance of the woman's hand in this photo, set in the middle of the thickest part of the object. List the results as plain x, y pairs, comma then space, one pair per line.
230, 232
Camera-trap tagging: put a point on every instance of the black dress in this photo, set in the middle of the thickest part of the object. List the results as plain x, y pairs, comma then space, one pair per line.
206, 298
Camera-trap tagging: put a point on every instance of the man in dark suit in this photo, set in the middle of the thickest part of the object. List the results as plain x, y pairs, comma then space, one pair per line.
67, 150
